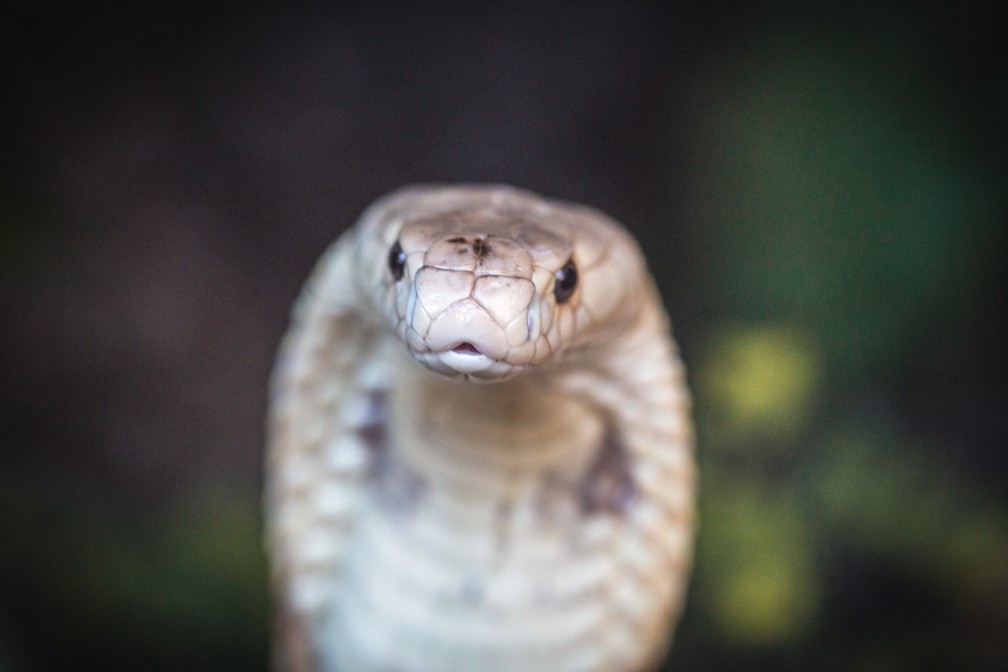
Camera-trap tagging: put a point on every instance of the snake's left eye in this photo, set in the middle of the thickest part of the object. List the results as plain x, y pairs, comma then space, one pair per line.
397, 261
566, 281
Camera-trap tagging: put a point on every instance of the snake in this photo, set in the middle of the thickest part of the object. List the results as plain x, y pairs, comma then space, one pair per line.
479, 447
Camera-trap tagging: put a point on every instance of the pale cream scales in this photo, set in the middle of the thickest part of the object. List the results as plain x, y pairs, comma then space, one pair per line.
480, 454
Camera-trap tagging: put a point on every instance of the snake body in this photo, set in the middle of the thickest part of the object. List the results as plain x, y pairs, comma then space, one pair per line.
479, 448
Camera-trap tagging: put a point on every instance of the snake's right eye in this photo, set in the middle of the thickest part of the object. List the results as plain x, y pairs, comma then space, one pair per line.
397, 261
566, 281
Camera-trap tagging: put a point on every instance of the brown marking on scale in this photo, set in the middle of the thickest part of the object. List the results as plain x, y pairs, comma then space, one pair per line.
463, 244
608, 486
481, 249
478, 246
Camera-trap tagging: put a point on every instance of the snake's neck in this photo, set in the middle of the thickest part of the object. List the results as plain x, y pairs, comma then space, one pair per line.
510, 433
564, 424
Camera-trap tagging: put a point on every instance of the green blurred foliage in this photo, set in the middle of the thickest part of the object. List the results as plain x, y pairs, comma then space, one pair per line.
760, 383
890, 498
850, 238
756, 581
833, 197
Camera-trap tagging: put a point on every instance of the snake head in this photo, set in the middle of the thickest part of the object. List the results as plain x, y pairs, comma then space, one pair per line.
484, 282
472, 300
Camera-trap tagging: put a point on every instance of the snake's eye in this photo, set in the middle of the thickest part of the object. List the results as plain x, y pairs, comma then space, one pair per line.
397, 261
566, 281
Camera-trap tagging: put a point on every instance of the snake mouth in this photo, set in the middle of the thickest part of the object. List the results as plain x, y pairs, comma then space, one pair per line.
467, 349
465, 358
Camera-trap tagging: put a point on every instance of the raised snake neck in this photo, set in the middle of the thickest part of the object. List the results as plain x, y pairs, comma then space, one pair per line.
420, 522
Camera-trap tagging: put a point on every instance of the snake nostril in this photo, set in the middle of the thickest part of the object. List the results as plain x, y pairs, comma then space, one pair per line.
467, 349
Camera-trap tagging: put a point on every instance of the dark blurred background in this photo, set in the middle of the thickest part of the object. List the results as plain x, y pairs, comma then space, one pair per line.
819, 189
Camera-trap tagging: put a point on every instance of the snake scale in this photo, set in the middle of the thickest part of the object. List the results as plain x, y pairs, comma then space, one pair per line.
479, 451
